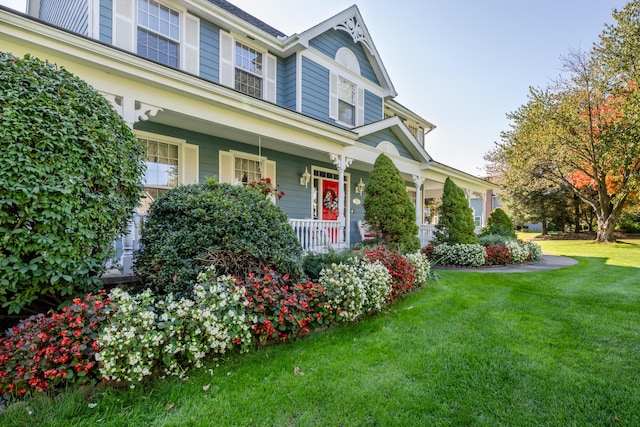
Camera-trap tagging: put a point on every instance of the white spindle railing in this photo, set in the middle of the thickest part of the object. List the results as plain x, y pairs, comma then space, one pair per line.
318, 236
126, 246
426, 233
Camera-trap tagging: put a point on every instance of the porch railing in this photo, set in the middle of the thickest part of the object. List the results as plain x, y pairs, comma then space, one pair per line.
124, 248
318, 236
426, 233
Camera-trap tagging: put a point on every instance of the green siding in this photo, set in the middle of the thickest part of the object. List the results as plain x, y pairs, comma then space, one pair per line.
106, 21
330, 41
209, 51
386, 135
373, 110
315, 90
287, 82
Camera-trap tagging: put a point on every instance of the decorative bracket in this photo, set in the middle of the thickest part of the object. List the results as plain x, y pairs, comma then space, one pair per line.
341, 162
355, 30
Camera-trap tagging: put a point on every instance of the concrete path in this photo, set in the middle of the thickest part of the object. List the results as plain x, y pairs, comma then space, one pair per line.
548, 262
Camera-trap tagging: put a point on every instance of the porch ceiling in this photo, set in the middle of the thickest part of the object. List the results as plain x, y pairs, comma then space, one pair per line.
302, 147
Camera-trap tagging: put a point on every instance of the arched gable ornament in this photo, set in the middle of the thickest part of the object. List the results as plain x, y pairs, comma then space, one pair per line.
355, 30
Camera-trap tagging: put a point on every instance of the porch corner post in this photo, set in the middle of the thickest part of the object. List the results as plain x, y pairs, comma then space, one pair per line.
342, 163
418, 181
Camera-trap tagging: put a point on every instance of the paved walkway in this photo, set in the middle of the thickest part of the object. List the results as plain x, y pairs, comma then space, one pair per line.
548, 262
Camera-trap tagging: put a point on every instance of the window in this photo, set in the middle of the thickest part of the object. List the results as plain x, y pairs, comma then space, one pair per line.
162, 167
158, 33
248, 70
246, 170
346, 102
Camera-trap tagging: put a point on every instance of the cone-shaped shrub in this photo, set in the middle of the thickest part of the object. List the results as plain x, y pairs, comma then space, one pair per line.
388, 209
456, 217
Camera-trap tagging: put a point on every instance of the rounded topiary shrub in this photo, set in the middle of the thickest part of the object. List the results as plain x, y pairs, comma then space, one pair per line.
235, 228
499, 224
70, 179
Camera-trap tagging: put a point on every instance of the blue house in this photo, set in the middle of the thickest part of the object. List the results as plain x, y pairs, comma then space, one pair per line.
212, 91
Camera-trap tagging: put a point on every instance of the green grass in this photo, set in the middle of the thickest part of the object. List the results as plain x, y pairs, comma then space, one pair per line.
554, 348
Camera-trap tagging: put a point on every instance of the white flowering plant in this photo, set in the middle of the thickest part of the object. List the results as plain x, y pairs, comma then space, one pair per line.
356, 287
534, 249
422, 266
519, 253
471, 255
150, 334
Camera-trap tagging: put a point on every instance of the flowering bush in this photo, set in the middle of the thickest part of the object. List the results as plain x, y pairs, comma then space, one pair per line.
519, 253
43, 352
471, 255
130, 344
422, 266
149, 334
266, 187
377, 283
403, 273
281, 309
534, 249
356, 287
497, 254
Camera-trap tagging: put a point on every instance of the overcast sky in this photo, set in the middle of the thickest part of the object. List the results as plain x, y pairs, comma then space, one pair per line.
460, 64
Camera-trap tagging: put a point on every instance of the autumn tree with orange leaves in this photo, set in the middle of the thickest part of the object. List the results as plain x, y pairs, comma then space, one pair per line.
583, 131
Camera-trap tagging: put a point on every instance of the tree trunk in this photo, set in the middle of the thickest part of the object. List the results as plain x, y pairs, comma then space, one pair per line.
606, 227
544, 227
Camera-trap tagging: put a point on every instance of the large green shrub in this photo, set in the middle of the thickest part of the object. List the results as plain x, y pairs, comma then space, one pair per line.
70, 179
456, 217
388, 209
500, 224
235, 228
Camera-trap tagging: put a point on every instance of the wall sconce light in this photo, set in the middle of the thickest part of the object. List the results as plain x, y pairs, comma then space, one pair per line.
360, 187
305, 178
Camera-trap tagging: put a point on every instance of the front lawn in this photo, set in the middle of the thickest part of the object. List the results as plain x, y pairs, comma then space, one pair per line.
559, 347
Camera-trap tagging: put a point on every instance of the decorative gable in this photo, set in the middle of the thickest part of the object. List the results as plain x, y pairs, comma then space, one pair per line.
356, 31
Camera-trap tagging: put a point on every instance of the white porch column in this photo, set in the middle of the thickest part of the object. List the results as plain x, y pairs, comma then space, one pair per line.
418, 181
341, 162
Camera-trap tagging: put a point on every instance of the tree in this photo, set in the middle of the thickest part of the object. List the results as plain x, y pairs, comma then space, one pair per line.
456, 223
388, 209
70, 179
580, 134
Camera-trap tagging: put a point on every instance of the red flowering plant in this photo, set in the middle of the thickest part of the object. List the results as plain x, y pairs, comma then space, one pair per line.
403, 273
497, 254
281, 309
266, 187
44, 352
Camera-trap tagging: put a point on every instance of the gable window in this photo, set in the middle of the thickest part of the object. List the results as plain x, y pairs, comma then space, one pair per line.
248, 70
346, 102
158, 33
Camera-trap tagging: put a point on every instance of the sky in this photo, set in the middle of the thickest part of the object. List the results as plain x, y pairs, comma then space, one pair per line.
463, 65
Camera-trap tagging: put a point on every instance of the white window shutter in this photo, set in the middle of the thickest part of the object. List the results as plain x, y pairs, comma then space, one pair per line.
227, 68
190, 164
270, 78
225, 167
333, 96
360, 107
124, 24
191, 44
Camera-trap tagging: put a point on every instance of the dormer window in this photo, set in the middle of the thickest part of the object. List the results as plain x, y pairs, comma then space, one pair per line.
347, 97
248, 76
158, 33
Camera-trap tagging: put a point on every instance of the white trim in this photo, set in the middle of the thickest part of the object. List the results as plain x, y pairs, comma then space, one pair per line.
93, 11
186, 171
